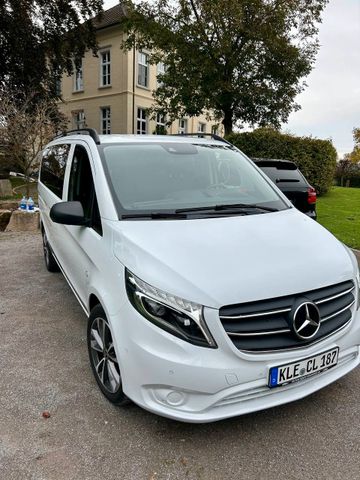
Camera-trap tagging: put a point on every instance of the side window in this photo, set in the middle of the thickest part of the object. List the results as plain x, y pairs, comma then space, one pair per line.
53, 168
82, 189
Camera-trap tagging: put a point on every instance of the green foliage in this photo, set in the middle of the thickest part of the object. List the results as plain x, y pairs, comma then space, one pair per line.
242, 59
160, 130
39, 40
339, 212
354, 156
347, 173
315, 158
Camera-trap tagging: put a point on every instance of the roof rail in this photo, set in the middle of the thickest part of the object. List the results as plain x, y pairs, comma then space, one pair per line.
200, 134
79, 131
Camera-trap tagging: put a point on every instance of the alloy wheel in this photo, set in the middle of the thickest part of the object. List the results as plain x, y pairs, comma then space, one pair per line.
103, 355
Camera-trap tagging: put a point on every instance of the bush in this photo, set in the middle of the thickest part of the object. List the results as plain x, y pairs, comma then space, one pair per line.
315, 158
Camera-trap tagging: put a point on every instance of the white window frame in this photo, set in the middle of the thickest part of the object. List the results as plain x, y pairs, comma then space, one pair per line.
141, 121
183, 127
215, 130
78, 82
161, 120
105, 68
201, 127
160, 70
143, 61
79, 119
105, 120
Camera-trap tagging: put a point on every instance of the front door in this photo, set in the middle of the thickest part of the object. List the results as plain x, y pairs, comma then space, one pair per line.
83, 246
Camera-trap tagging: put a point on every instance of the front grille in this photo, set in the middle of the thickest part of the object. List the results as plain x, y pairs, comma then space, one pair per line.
266, 325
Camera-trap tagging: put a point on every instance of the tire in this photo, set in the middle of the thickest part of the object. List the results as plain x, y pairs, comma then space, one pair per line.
50, 261
103, 360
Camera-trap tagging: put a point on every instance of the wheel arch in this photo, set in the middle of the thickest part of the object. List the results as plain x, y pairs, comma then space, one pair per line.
93, 301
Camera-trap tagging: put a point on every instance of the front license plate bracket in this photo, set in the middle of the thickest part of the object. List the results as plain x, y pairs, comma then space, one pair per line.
304, 368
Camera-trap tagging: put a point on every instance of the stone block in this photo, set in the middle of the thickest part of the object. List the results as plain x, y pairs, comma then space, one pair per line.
23, 222
9, 204
5, 188
4, 219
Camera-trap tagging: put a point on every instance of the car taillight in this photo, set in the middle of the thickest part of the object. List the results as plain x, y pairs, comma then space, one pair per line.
311, 195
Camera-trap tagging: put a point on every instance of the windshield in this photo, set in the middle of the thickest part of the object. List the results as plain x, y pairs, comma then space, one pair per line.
158, 177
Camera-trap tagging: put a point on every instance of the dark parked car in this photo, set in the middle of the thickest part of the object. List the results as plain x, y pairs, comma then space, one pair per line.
291, 182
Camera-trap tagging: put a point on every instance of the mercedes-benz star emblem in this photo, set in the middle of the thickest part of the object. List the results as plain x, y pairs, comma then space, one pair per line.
306, 321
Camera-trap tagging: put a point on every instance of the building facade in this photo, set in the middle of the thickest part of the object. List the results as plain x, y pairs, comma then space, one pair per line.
112, 91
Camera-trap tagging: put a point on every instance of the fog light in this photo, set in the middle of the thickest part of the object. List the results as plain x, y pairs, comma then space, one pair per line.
175, 398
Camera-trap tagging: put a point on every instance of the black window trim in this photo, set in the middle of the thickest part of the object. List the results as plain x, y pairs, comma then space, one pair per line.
93, 189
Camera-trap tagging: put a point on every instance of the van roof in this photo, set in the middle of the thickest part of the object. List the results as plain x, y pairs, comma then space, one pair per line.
127, 138
113, 138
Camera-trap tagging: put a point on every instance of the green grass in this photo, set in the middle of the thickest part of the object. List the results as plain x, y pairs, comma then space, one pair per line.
16, 181
339, 212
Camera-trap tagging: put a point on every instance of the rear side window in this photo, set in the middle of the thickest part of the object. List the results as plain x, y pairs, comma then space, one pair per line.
284, 176
53, 168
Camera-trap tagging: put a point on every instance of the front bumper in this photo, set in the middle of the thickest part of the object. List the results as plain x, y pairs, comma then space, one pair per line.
172, 378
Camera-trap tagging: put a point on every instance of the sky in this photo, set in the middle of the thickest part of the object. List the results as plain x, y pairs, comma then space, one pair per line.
330, 104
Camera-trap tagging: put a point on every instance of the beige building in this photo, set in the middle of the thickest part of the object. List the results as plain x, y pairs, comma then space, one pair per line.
112, 91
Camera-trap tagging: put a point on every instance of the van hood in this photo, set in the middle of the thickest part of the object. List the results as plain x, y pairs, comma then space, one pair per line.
223, 261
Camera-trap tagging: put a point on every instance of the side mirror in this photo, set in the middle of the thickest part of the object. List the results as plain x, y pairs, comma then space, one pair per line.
68, 213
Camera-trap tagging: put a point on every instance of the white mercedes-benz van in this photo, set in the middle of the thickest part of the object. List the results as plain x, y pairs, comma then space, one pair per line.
208, 294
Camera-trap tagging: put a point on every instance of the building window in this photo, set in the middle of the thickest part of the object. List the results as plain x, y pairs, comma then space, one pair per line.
160, 70
143, 69
79, 119
201, 127
105, 68
161, 124
141, 122
182, 125
78, 79
161, 120
58, 87
215, 130
105, 120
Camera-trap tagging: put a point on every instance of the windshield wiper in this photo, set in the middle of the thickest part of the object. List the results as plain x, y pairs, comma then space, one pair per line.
155, 215
234, 206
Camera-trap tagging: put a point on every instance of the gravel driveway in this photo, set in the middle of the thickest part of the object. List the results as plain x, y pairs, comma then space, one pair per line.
44, 366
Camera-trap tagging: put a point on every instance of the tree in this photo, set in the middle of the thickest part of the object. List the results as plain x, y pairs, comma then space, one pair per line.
39, 40
345, 169
242, 59
26, 127
354, 156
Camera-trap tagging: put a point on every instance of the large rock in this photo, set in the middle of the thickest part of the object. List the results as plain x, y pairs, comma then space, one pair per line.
9, 204
5, 188
23, 222
4, 219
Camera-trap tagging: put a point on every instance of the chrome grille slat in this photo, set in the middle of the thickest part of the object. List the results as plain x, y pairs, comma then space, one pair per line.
337, 313
251, 315
319, 302
265, 325
254, 334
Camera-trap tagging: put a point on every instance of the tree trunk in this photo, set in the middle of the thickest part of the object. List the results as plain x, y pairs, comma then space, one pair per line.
228, 122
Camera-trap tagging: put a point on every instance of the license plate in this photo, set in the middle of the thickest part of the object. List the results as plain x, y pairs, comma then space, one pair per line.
295, 371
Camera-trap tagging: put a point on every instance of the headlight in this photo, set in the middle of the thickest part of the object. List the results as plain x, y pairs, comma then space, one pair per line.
177, 316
